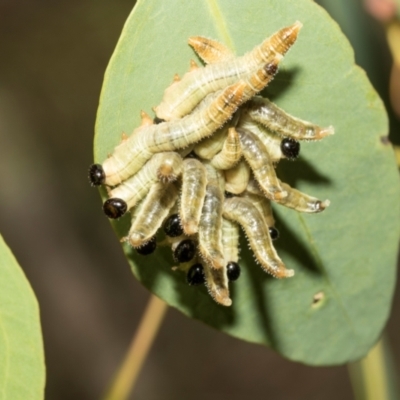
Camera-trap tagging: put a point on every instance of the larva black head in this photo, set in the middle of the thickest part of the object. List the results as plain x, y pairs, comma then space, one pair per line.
147, 248
232, 271
185, 250
195, 275
157, 120
290, 148
96, 175
273, 233
172, 226
271, 68
114, 208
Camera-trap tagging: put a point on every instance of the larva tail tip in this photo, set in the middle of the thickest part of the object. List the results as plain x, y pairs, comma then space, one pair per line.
221, 296
297, 25
280, 195
284, 273
190, 228
135, 239
325, 204
227, 302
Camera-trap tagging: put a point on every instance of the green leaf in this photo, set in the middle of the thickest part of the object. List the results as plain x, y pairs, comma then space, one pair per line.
22, 370
347, 253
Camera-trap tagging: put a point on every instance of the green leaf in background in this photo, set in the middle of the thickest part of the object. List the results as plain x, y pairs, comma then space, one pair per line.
346, 255
22, 369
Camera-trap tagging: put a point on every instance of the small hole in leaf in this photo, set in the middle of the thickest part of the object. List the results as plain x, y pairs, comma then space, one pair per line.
318, 299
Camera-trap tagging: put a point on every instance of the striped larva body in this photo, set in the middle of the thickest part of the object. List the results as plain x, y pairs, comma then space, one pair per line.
237, 178
270, 140
210, 234
263, 205
217, 284
183, 96
230, 153
276, 120
154, 209
242, 211
161, 167
194, 181
230, 240
133, 152
259, 160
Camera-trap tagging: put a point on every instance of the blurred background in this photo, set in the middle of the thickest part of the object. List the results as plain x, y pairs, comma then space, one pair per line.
53, 56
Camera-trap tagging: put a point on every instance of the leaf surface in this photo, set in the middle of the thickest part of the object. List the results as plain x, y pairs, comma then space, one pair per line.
22, 370
345, 255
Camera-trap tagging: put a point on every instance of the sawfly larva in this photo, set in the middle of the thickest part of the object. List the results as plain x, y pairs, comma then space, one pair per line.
242, 211
153, 210
210, 225
194, 181
237, 178
230, 153
183, 96
161, 167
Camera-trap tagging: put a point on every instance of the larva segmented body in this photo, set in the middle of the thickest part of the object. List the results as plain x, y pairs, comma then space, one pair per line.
230, 240
242, 211
154, 209
230, 153
269, 139
259, 160
209, 50
194, 181
263, 205
210, 238
135, 188
237, 178
132, 153
275, 119
217, 284
181, 97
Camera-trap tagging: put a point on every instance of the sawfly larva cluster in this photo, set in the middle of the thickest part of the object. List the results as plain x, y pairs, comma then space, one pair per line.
205, 165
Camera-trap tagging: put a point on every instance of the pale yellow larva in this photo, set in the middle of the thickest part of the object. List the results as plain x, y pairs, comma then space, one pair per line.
159, 167
153, 210
210, 234
259, 160
271, 141
275, 119
217, 284
230, 240
237, 178
302, 202
194, 181
242, 211
230, 153
132, 153
181, 97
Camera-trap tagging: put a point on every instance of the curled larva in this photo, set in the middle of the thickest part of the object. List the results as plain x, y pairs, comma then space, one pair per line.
194, 181
217, 284
261, 164
275, 119
210, 233
181, 97
242, 211
230, 153
237, 178
302, 202
162, 166
154, 209
230, 240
